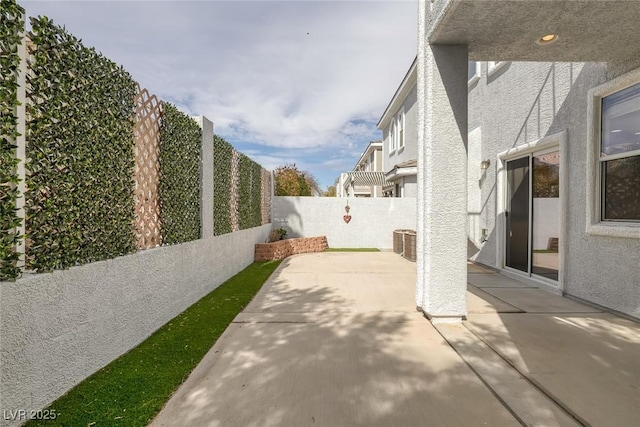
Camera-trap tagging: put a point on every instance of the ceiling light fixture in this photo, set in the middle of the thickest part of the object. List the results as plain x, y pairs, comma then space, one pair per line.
548, 39
616, 130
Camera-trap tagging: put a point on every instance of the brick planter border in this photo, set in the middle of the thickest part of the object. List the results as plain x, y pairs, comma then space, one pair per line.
284, 248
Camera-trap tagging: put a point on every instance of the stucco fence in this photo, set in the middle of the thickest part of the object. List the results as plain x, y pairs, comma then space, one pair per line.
58, 328
371, 225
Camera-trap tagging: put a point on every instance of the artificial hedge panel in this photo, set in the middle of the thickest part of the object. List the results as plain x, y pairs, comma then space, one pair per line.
249, 193
244, 192
179, 191
256, 194
222, 155
11, 26
80, 155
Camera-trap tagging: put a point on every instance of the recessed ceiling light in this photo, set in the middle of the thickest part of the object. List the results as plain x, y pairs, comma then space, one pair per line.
637, 133
616, 130
548, 39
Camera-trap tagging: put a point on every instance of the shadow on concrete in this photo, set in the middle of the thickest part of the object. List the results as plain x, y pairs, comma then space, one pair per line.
583, 358
309, 351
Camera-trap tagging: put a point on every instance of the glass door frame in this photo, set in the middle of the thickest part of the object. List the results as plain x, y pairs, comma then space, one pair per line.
549, 143
509, 210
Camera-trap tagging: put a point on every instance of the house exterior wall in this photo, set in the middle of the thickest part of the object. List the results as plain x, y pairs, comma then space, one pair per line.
410, 186
372, 223
370, 161
522, 103
410, 149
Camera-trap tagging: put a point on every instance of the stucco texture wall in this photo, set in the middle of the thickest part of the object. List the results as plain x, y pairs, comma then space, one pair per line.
410, 186
371, 226
523, 102
60, 327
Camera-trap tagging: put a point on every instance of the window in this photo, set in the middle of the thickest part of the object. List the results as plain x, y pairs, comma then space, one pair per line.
401, 128
473, 72
620, 156
392, 136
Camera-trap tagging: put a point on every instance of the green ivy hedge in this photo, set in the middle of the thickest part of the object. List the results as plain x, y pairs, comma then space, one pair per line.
256, 194
249, 189
11, 26
180, 145
244, 192
80, 153
222, 154
249, 193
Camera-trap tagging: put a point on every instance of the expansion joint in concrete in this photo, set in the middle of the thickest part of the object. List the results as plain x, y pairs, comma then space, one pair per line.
568, 411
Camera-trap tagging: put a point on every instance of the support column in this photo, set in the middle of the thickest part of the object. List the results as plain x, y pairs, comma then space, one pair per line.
206, 177
420, 85
442, 180
21, 143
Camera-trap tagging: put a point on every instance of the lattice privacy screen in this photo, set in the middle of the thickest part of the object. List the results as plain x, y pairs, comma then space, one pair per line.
147, 170
266, 197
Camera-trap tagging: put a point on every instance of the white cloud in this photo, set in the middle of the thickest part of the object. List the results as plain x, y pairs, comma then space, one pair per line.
295, 75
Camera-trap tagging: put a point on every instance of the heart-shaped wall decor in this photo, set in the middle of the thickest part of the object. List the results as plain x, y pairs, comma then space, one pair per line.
347, 218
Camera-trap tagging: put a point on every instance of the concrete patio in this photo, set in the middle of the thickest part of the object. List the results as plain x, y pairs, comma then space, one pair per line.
334, 339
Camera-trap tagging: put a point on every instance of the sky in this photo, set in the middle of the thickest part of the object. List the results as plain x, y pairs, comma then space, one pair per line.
286, 82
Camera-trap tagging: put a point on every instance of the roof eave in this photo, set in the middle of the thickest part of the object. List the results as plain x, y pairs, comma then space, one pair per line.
407, 83
397, 173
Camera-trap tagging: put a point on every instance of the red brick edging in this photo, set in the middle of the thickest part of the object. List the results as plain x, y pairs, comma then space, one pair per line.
284, 248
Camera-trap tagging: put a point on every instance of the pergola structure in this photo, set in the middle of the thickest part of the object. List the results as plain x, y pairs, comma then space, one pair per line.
450, 33
368, 179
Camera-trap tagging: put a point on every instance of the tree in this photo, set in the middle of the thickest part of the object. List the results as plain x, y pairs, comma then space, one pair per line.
331, 191
290, 181
312, 182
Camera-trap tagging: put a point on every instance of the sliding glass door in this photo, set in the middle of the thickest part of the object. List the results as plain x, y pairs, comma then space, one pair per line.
546, 215
533, 214
517, 214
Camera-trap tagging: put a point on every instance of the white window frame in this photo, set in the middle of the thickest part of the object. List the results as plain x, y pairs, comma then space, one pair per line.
595, 224
495, 66
474, 79
400, 127
392, 137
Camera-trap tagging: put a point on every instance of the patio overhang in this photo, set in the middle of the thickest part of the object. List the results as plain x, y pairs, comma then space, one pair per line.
363, 178
509, 30
409, 168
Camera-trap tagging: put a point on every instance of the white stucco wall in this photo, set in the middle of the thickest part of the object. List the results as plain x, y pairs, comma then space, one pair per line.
60, 327
371, 226
475, 176
410, 186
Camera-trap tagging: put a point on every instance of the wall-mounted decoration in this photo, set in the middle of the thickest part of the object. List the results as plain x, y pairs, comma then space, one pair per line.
347, 217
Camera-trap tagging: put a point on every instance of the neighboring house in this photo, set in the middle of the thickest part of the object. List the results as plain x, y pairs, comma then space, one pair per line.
400, 151
532, 168
366, 179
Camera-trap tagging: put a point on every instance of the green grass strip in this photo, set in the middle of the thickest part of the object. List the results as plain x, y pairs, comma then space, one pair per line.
132, 389
352, 250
